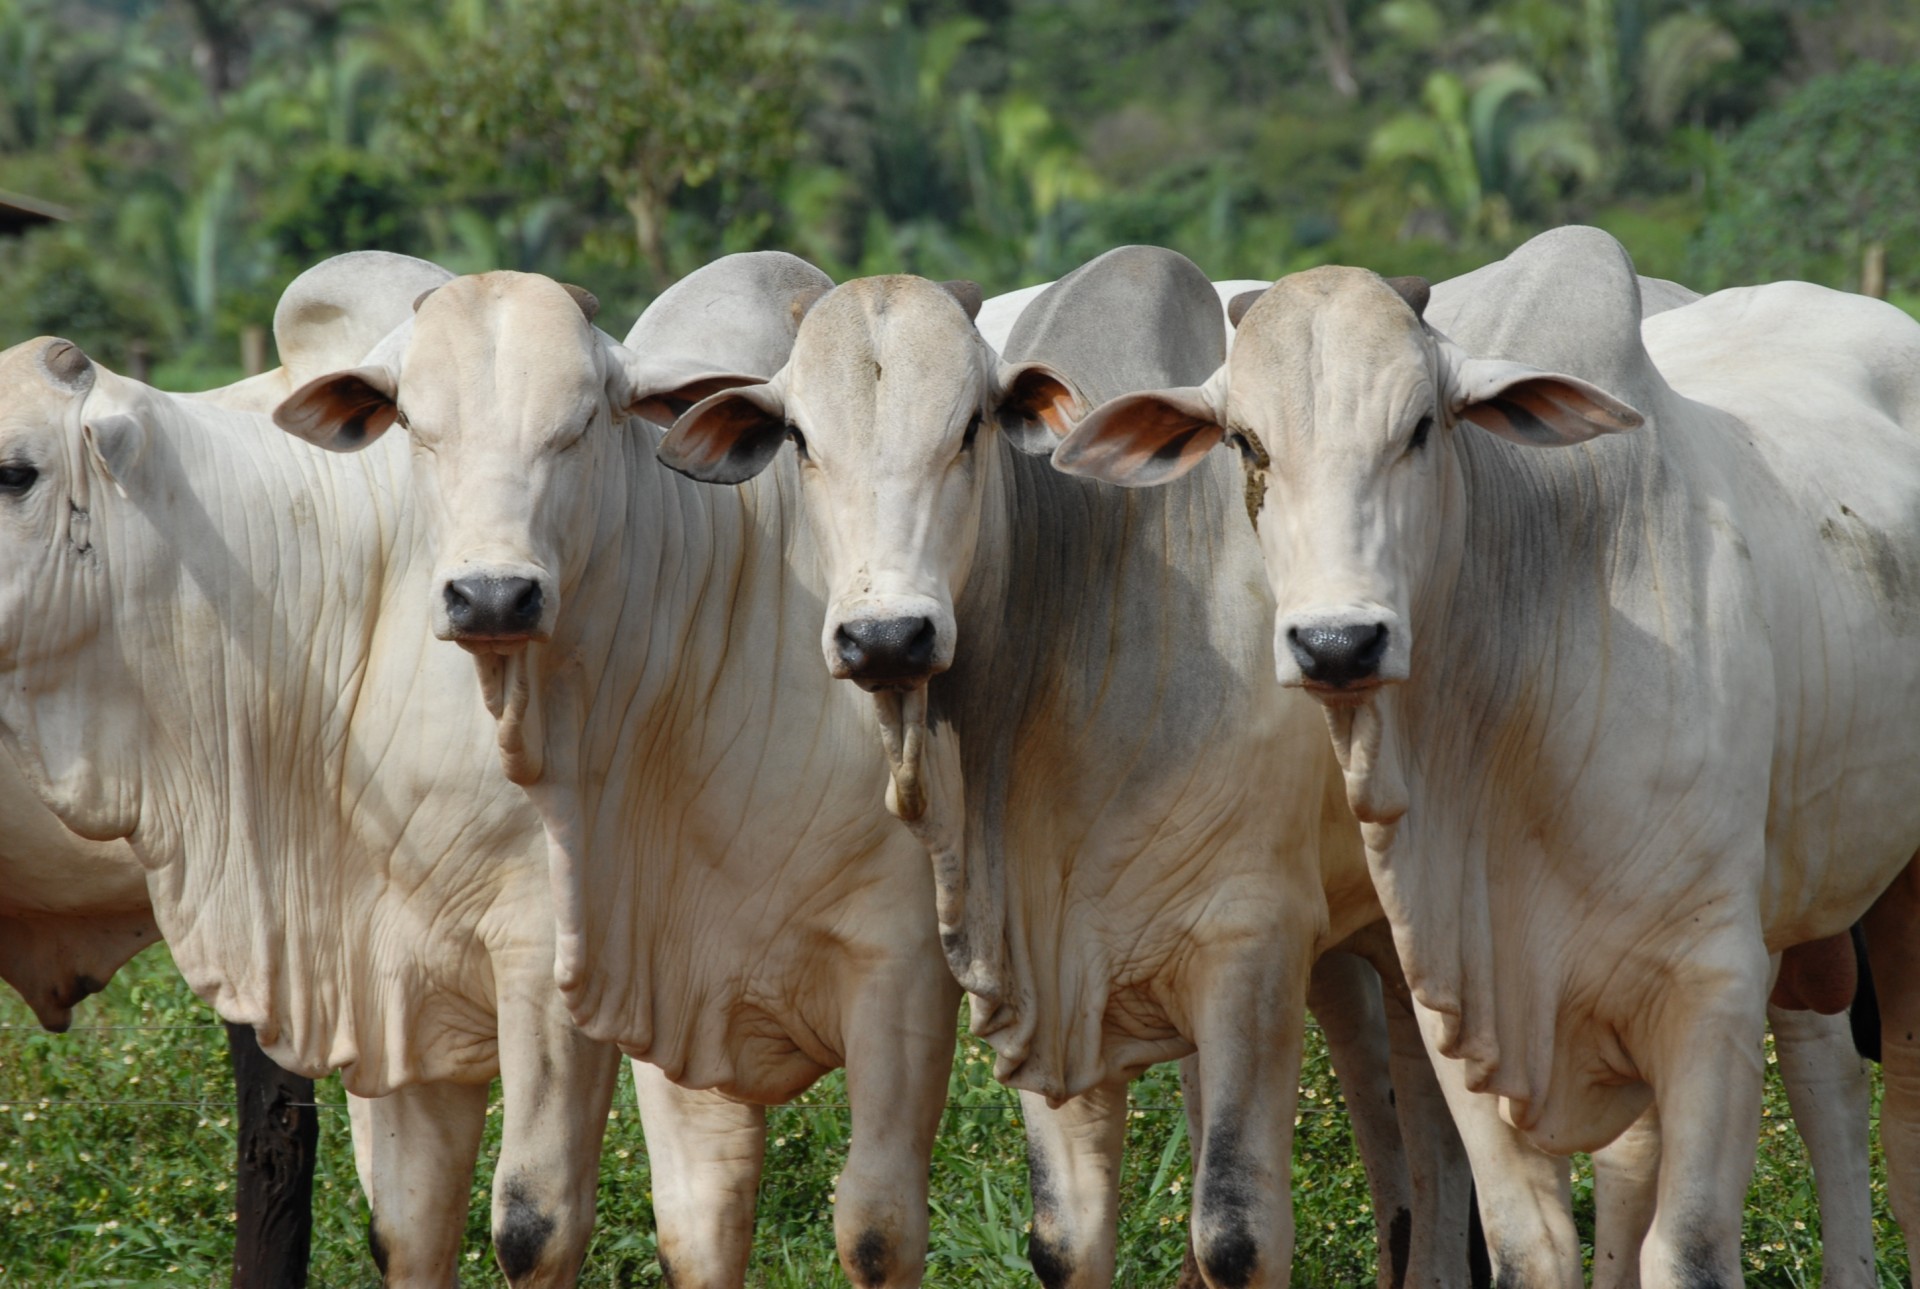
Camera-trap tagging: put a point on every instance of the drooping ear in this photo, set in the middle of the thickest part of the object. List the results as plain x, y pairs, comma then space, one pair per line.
589, 302
1532, 407
664, 406
1036, 407
967, 293
421, 299
1238, 306
342, 412
114, 444
1141, 440
728, 437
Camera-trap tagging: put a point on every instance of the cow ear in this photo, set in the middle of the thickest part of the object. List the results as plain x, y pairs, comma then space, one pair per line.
114, 444
342, 412
1036, 407
665, 406
728, 437
1141, 440
1532, 407
587, 302
1238, 306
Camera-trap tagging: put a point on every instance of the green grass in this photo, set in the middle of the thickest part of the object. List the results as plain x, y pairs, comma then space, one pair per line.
94, 1195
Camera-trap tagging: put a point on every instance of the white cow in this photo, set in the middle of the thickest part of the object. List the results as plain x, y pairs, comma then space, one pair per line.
1619, 720
998, 316
193, 664
1073, 725
72, 911
733, 903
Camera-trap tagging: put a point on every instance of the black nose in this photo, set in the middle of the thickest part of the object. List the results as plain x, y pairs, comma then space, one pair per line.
490, 607
878, 650
1338, 656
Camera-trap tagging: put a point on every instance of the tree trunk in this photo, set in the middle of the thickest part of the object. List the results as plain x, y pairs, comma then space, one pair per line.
1873, 270
279, 1131
648, 215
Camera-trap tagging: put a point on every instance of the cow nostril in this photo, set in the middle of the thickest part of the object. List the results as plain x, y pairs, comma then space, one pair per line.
849, 649
920, 647
526, 605
459, 605
1339, 655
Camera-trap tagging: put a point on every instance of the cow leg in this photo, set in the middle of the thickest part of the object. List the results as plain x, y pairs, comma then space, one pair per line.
899, 1053
1703, 1060
1343, 994
1437, 1168
1827, 1087
421, 1145
704, 1153
556, 1088
1248, 1021
1073, 1168
1626, 1187
1525, 1198
1893, 951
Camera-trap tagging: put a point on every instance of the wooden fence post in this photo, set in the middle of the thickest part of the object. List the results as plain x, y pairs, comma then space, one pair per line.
279, 1131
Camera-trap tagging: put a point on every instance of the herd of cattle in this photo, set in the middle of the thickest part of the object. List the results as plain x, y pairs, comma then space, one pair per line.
1533, 692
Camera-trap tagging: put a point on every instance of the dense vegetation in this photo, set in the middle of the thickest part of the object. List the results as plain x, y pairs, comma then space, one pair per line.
94, 1192
212, 148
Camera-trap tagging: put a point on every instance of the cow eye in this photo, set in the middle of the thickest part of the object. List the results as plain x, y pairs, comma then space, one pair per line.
16, 479
799, 442
973, 432
1420, 432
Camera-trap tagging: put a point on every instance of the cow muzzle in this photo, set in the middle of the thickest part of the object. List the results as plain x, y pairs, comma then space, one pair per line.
494, 610
889, 646
1341, 656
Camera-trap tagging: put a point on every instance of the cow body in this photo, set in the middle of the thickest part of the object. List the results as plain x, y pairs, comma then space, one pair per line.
367, 899
1116, 884
1619, 721
733, 904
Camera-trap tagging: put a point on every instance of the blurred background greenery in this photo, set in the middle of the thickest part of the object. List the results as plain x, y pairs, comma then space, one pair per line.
210, 149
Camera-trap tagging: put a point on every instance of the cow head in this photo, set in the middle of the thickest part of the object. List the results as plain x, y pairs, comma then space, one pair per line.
509, 396
891, 400
71, 437
1344, 406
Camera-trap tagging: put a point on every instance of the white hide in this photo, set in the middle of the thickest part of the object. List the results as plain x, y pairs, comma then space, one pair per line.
1660, 689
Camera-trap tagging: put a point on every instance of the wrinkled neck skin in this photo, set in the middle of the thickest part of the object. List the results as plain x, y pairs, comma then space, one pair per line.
249, 679
712, 805
1127, 631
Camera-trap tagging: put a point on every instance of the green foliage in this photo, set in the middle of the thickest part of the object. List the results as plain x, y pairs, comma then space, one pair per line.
644, 99
1808, 185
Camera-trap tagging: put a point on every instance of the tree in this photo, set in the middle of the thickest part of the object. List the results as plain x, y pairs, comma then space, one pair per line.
645, 99
1824, 181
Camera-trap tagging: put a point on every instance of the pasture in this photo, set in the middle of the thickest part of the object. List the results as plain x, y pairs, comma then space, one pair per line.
116, 1164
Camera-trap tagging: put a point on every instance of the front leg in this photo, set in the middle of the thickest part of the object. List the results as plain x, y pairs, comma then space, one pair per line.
704, 1153
1343, 995
1626, 1180
556, 1087
1525, 1195
419, 1147
1892, 929
1702, 1055
1249, 1013
1073, 1170
899, 1045
1439, 1255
